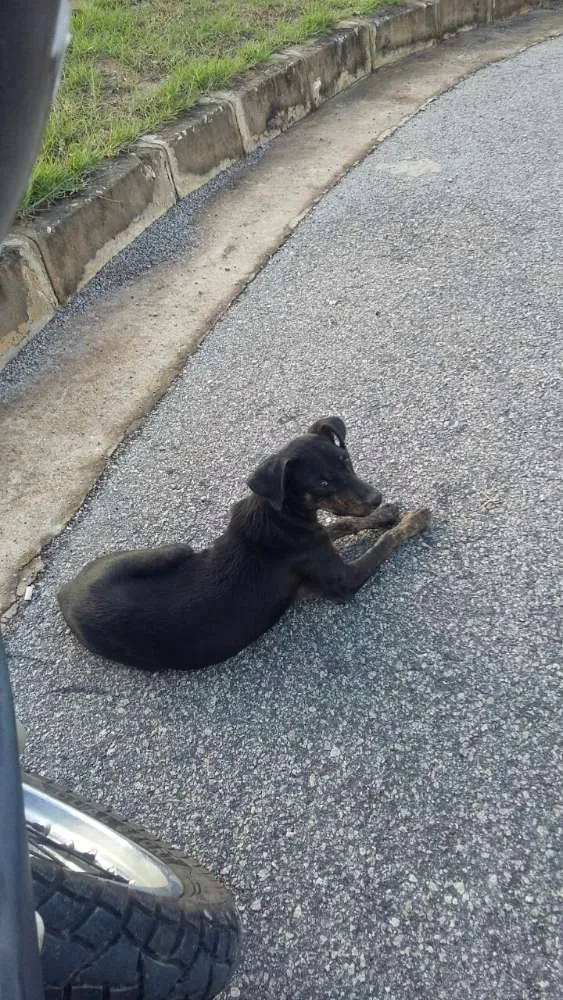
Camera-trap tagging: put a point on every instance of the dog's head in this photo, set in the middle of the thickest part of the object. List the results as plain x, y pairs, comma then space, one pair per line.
315, 471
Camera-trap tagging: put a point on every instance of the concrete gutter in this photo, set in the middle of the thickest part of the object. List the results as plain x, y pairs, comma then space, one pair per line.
47, 260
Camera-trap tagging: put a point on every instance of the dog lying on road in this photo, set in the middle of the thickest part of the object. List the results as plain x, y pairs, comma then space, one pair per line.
172, 607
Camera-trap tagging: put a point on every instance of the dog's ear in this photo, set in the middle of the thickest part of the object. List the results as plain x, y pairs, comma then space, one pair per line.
333, 428
269, 480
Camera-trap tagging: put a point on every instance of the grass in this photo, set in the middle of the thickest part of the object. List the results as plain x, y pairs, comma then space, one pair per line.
134, 64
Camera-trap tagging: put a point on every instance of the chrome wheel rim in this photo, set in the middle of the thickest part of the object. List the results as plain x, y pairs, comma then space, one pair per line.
62, 833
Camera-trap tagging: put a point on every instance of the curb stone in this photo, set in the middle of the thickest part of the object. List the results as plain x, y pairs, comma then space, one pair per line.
269, 100
506, 8
27, 299
53, 256
78, 236
335, 63
451, 15
403, 31
200, 146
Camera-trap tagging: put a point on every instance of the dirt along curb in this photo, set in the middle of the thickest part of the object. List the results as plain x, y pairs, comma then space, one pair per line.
49, 259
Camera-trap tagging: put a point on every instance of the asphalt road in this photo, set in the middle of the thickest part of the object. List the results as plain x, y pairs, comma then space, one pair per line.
376, 782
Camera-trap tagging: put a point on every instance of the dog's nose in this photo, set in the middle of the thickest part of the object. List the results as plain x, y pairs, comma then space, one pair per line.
374, 498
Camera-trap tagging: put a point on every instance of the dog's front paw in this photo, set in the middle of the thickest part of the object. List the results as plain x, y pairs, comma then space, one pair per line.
386, 515
415, 521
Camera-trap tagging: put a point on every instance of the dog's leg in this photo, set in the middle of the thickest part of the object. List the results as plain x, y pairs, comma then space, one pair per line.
381, 518
411, 524
329, 574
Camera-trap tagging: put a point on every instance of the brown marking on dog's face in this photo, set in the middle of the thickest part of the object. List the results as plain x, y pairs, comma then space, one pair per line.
341, 505
345, 504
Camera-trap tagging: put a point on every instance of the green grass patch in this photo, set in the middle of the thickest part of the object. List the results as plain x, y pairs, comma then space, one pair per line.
134, 65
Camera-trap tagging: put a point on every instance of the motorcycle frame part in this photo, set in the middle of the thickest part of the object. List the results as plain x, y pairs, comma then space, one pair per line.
20, 970
33, 39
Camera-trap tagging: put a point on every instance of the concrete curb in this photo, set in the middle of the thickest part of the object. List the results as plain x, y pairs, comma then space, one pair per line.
52, 257
78, 236
27, 298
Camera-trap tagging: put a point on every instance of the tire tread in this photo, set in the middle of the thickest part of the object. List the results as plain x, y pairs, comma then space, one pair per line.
182, 949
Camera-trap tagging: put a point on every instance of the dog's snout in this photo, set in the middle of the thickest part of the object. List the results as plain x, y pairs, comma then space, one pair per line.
373, 497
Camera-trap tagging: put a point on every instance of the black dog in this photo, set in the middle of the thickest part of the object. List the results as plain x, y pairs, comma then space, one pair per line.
173, 607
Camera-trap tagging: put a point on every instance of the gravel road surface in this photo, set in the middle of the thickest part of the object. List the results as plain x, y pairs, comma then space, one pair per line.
376, 782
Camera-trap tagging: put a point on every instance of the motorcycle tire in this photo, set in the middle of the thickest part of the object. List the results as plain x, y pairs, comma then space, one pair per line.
125, 916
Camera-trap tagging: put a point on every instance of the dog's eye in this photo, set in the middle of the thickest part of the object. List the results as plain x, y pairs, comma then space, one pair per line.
323, 484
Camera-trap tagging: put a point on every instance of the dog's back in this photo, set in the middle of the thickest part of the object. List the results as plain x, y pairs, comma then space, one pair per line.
173, 608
